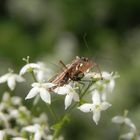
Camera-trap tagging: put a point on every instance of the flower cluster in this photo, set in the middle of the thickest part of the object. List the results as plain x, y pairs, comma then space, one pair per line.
126, 122
18, 123
95, 86
98, 89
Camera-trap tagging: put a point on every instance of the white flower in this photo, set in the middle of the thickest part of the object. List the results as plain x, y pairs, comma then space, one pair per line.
29, 67
11, 79
44, 73
2, 134
42, 119
106, 85
18, 138
96, 107
92, 75
128, 136
36, 129
40, 88
16, 100
124, 120
70, 94
133, 134
110, 81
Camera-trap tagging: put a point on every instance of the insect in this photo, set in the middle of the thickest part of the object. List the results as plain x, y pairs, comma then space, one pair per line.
74, 71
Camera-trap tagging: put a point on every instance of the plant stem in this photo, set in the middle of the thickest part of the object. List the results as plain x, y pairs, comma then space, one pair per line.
52, 112
33, 75
57, 131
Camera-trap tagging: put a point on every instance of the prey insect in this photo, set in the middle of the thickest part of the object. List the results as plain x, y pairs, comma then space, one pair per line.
74, 71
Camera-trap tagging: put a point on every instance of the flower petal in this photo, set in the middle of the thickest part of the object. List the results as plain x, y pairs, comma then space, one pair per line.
2, 134
61, 90
104, 96
96, 116
35, 84
110, 86
27, 67
32, 93
96, 97
37, 135
86, 108
105, 105
68, 100
48, 85
129, 123
18, 138
118, 119
32, 128
19, 78
4, 78
106, 75
128, 136
45, 95
11, 82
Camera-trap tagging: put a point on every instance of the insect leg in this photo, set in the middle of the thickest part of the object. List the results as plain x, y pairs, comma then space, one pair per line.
98, 68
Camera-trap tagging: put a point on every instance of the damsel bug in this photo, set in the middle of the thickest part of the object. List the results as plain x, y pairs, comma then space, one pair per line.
74, 71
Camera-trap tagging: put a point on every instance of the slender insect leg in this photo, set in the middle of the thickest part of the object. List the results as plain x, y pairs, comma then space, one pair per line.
98, 68
82, 84
61, 62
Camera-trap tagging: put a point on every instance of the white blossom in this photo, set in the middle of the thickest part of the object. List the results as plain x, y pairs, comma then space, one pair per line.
29, 67
16, 100
128, 136
124, 120
36, 129
109, 78
44, 73
18, 138
92, 75
5, 119
96, 107
106, 85
70, 94
132, 134
42, 90
2, 134
108, 82
11, 79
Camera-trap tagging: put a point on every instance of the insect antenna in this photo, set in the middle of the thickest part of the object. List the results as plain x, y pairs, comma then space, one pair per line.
85, 42
98, 69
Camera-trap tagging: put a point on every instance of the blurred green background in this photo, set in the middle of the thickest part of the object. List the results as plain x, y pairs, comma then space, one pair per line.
50, 31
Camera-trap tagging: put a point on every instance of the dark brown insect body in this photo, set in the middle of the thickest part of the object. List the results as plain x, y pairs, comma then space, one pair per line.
74, 71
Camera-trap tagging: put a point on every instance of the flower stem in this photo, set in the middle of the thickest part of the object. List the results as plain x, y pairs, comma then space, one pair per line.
33, 75
61, 123
52, 112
